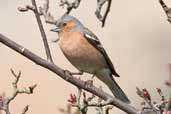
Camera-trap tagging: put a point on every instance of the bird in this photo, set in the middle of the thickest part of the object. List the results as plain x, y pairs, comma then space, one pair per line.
84, 51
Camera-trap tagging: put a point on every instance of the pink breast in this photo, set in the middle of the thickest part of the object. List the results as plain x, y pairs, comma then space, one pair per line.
81, 54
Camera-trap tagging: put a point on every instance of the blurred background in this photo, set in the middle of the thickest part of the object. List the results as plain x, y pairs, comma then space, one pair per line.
136, 37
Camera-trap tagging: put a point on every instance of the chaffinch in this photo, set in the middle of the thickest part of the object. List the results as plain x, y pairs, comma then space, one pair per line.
84, 50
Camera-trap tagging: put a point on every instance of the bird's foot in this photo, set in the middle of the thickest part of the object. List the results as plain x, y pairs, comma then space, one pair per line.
105, 103
71, 73
88, 83
67, 72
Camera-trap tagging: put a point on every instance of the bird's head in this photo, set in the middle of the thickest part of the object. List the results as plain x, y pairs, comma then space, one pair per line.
67, 23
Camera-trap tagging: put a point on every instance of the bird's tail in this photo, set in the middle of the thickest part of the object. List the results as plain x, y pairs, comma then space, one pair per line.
117, 91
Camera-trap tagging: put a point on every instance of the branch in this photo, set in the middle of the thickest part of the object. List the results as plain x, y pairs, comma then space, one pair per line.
5, 101
67, 75
108, 109
37, 15
168, 83
25, 109
26, 8
100, 4
44, 38
44, 11
70, 6
166, 10
147, 98
83, 106
168, 106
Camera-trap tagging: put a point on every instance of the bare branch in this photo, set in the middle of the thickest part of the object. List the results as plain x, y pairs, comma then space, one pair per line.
47, 15
108, 109
17, 77
66, 76
147, 98
25, 109
98, 104
166, 10
37, 15
44, 38
18, 91
43, 11
79, 96
46, 5
83, 107
28, 90
100, 4
26, 8
162, 107
5, 101
168, 83
70, 6
168, 106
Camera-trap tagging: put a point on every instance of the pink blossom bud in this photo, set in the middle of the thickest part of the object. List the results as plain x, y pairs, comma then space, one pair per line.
168, 112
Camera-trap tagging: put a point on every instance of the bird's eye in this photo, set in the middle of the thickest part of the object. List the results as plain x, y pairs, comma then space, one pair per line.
64, 24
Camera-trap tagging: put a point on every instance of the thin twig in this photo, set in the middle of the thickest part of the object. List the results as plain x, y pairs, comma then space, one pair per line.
108, 109
166, 10
7, 100
168, 106
79, 96
25, 109
70, 6
47, 15
49, 57
26, 8
49, 19
43, 11
100, 4
83, 107
146, 97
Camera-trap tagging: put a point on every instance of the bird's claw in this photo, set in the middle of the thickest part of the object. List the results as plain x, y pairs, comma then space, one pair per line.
108, 102
67, 72
88, 83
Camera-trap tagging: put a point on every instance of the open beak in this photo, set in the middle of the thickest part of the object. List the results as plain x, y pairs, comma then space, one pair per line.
55, 29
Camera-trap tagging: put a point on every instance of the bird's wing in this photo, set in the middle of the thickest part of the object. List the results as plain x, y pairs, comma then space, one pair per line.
94, 41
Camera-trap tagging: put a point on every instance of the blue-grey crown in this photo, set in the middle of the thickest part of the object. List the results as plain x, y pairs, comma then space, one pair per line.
73, 19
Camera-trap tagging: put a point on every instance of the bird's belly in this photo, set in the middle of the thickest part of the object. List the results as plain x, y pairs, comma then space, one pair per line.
83, 56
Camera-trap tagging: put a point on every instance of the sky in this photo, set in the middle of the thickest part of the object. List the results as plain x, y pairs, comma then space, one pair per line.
136, 37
